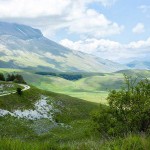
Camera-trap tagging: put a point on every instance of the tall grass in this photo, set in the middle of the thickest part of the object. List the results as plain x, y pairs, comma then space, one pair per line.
14, 144
131, 142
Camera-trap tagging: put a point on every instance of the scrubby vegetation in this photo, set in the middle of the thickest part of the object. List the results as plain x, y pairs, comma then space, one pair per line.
19, 91
15, 78
10, 84
2, 78
128, 110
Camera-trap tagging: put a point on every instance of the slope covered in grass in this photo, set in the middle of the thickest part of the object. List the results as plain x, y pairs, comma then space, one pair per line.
8, 87
70, 120
92, 87
71, 128
42, 134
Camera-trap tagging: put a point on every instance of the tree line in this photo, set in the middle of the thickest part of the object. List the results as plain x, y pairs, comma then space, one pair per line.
67, 76
12, 77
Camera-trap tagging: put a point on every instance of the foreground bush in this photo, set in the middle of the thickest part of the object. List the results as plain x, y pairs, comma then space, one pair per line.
132, 142
128, 110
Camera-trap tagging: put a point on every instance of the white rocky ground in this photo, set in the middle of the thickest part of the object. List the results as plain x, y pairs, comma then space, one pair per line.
41, 110
2, 86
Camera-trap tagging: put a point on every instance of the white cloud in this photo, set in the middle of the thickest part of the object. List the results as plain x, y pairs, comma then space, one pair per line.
52, 15
145, 8
91, 45
107, 2
32, 9
94, 24
111, 50
139, 28
140, 44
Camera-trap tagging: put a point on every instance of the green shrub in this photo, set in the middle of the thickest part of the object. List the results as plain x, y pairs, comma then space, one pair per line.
128, 110
16, 78
19, 91
2, 78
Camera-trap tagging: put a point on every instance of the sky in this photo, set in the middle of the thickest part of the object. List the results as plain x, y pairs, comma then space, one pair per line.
118, 30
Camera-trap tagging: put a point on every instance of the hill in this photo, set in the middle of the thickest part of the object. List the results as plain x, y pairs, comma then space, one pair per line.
23, 47
135, 73
93, 87
38, 115
145, 65
41, 120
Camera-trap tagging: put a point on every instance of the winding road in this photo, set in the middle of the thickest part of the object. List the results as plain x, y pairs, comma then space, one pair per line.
25, 88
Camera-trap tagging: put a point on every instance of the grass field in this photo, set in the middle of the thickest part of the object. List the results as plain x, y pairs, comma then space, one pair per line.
99, 97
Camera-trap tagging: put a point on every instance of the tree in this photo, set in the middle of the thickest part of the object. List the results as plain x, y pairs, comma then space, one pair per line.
19, 91
19, 79
128, 109
12, 77
2, 78
16, 78
8, 78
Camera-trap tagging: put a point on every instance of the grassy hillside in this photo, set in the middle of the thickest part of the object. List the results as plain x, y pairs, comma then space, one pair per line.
6, 87
70, 119
92, 87
137, 73
70, 127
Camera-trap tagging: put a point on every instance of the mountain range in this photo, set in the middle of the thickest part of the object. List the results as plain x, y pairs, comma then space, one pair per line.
139, 65
23, 47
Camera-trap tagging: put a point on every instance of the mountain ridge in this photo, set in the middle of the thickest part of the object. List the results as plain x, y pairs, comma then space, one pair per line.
20, 31
139, 64
24, 47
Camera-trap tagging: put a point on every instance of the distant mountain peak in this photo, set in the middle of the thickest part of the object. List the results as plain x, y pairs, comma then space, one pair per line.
20, 31
137, 64
24, 47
